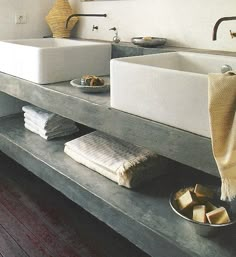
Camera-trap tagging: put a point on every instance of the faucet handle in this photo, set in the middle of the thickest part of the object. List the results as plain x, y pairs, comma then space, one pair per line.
233, 34
114, 28
95, 27
116, 38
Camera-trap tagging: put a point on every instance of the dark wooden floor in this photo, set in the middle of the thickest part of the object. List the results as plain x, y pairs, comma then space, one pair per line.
38, 221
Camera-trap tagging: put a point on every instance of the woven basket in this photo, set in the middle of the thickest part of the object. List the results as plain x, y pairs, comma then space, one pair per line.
56, 19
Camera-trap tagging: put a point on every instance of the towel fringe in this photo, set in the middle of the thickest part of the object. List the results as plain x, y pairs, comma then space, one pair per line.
228, 189
134, 162
126, 172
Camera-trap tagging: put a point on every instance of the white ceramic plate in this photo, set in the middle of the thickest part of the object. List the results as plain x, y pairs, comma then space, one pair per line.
92, 89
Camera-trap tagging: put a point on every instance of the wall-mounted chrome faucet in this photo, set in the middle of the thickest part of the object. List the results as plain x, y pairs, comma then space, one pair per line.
83, 15
218, 23
116, 38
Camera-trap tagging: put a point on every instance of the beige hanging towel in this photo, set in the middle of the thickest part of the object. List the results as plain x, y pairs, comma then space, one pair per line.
222, 107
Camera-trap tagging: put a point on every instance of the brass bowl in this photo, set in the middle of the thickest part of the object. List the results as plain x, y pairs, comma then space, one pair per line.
207, 229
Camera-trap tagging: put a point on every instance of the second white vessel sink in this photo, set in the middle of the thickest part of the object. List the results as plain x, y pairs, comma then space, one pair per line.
171, 88
49, 60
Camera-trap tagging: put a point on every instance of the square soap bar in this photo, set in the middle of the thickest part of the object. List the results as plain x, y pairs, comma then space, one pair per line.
218, 216
199, 213
187, 200
202, 191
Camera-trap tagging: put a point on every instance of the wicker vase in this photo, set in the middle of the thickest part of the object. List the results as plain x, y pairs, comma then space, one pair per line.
57, 17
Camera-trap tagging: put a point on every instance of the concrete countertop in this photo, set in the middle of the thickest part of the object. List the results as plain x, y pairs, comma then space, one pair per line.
93, 110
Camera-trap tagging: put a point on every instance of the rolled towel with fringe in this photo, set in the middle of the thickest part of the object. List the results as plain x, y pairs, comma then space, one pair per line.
222, 107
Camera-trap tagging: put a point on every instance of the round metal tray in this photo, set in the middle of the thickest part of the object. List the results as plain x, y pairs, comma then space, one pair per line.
91, 89
148, 41
206, 229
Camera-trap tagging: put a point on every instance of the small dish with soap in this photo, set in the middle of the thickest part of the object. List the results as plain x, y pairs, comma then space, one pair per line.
148, 41
92, 84
200, 206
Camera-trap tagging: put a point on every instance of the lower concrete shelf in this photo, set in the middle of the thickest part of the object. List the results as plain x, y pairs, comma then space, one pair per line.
143, 215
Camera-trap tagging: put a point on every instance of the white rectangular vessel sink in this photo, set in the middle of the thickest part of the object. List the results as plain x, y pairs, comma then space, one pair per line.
170, 88
49, 60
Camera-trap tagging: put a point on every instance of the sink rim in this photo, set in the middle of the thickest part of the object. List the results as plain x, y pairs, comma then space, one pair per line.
128, 61
45, 65
25, 42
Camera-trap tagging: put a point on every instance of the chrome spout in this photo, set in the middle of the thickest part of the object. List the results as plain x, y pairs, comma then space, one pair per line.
83, 15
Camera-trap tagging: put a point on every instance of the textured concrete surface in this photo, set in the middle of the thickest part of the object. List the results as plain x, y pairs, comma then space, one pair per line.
143, 215
124, 49
128, 49
38, 221
94, 110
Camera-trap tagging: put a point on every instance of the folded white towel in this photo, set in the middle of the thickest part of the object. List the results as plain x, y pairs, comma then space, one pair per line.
52, 130
51, 125
122, 162
42, 118
51, 135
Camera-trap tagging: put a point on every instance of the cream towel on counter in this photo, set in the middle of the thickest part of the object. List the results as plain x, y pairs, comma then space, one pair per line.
222, 107
122, 162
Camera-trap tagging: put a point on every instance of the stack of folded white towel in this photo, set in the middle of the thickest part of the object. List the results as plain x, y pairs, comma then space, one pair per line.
47, 124
124, 163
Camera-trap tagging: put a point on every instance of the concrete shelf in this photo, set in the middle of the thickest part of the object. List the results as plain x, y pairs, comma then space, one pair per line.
93, 110
143, 215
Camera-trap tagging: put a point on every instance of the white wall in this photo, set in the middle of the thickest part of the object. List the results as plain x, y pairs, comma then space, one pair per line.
36, 26
35, 11
186, 23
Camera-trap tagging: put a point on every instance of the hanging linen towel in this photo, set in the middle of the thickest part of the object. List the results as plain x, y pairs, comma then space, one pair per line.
222, 107
122, 162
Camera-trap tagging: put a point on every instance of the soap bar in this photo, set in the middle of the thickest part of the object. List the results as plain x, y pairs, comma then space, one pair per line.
199, 213
218, 216
147, 38
92, 80
187, 200
203, 191
183, 191
210, 206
